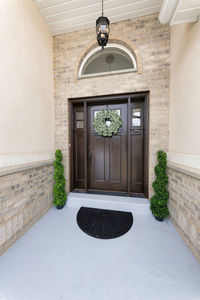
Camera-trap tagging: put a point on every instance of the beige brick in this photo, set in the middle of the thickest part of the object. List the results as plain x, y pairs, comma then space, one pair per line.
184, 206
20, 220
2, 235
150, 41
9, 231
25, 198
15, 224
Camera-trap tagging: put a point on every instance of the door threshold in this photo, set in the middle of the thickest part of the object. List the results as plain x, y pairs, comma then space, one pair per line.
120, 203
110, 193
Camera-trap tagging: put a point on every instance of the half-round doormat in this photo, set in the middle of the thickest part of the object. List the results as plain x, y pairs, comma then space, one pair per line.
103, 223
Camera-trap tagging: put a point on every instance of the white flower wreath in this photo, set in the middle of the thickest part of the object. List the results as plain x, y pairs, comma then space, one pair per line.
107, 122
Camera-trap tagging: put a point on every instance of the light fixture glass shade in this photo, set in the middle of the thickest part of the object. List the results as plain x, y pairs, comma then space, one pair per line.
103, 30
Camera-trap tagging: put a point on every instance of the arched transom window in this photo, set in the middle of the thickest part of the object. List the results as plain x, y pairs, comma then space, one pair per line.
113, 59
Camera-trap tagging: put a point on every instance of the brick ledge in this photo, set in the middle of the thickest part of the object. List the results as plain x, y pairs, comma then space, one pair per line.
184, 169
23, 167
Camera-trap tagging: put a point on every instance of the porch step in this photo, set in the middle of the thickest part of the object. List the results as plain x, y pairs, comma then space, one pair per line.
138, 206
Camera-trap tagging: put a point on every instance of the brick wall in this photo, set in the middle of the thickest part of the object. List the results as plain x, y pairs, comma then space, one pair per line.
25, 196
151, 42
184, 206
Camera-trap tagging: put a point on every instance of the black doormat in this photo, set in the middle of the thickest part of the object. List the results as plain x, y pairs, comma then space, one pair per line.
103, 223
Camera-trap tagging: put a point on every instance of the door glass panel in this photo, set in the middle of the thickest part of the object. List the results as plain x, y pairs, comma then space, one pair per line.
80, 124
117, 110
79, 116
96, 112
136, 122
136, 117
79, 120
136, 112
108, 123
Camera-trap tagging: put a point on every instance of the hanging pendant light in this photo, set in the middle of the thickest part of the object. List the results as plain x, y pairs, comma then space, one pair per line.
102, 29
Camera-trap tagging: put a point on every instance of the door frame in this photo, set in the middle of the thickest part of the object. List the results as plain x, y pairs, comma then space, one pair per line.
110, 98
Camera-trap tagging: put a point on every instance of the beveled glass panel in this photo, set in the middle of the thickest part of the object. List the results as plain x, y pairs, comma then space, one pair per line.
96, 112
136, 112
79, 115
118, 111
136, 122
108, 123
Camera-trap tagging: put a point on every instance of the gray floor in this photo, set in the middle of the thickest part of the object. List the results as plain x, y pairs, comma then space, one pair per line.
56, 260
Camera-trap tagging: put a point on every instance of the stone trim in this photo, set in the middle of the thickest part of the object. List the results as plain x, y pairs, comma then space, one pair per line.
10, 160
23, 167
185, 169
107, 73
188, 160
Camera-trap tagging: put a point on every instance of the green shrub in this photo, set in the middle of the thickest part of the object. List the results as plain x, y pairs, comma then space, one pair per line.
60, 196
159, 200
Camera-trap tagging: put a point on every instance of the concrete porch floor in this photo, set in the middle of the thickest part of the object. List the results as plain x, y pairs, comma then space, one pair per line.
56, 260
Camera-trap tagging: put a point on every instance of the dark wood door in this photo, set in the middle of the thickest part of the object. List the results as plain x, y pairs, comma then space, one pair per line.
107, 156
115, 164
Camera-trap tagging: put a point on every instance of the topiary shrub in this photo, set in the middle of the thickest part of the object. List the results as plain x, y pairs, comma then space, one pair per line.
60, 196
159, 200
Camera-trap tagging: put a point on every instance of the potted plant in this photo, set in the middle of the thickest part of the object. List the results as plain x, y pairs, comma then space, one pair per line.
60, 196
159, 200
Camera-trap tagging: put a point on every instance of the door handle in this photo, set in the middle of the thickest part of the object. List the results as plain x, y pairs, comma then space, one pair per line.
90, 156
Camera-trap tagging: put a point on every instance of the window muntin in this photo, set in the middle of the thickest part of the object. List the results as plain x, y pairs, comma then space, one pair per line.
79, 120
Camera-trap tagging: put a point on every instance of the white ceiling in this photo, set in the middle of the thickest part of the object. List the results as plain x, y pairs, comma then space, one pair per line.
179, 11
64, 16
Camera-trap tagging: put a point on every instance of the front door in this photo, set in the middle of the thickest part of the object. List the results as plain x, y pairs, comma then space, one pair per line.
107, 157
112, 164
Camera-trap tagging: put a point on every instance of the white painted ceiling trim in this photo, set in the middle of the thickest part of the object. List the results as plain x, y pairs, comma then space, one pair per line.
179, 11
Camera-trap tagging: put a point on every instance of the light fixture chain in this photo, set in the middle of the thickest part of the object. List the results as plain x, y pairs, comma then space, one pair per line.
102, 8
